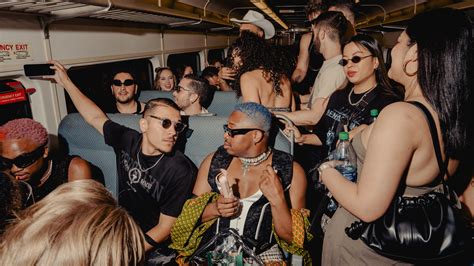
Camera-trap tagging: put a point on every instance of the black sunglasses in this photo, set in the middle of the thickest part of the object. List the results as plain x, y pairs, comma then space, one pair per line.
127, 82
166, 123
23, 160
355, 59
238, 131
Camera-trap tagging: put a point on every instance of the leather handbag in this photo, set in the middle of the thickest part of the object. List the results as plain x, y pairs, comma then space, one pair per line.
424, 228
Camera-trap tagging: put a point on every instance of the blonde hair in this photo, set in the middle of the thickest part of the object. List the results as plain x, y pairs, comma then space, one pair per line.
158, 72
79, 223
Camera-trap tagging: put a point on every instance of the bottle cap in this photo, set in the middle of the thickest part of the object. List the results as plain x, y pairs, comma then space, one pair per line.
374, 113
343, 135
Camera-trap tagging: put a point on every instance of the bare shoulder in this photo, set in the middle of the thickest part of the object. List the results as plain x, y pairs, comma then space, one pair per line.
79, 169
251, 75
401, 112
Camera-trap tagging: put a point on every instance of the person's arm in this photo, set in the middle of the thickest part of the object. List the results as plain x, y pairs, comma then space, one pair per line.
161, 231
271, 187
309, 117
79, 169
222, 207
87, 108
223, 85
249, 88
389, 152
303, 59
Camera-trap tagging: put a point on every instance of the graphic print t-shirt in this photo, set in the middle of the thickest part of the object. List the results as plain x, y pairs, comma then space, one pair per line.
145, 194
340, 112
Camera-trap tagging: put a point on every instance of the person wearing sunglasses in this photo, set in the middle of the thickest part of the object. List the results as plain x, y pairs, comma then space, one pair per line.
432, 59
268, 187
124, 89
349, 109
24, 154
154, 179
191, 94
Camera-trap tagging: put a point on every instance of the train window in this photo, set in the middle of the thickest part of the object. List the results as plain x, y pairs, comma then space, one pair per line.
14, 101
214, 55
177, 62
94, 80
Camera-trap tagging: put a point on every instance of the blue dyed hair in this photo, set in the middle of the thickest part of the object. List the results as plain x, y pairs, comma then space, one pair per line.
257, 113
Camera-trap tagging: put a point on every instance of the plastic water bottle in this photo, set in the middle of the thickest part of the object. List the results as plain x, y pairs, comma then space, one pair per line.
346, 154
373, 114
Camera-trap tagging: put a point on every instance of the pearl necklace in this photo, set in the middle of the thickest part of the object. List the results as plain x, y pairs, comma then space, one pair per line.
361, 98
247, 162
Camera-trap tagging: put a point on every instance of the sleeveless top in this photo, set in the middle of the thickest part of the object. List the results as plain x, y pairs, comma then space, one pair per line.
114, 109
257, 231
338, 248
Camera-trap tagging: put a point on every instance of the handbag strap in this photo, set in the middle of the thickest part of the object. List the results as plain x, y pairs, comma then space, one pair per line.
434, 137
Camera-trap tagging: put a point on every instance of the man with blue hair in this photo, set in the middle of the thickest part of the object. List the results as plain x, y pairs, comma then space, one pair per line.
262, 187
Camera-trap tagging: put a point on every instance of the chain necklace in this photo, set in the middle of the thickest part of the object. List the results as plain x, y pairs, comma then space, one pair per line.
140, 166
361, 98
47, 174
247, 162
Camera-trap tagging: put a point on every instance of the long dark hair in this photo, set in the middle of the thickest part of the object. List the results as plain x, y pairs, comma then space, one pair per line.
374, 48
256, 54
445, 71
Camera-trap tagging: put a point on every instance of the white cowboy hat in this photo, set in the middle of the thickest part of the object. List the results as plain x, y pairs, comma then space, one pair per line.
257, 19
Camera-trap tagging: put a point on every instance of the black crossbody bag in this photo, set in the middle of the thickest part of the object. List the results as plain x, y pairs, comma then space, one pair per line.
429, 227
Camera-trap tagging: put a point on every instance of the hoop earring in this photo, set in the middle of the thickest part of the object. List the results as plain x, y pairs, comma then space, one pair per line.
405, 70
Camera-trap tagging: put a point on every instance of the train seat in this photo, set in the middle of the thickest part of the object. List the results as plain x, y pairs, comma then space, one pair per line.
205, 136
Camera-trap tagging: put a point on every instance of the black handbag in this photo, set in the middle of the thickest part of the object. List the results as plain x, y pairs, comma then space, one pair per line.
424, 228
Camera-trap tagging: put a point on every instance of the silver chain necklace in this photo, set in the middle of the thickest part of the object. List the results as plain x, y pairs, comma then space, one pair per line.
140, 166
247, 162
361, 98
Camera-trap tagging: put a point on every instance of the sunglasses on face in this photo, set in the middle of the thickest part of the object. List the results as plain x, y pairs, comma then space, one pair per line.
127, 82
23, 160
355, 59
238, 131
166, 123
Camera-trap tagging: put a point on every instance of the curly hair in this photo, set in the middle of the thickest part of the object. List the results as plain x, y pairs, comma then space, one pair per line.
275, 62
24, 128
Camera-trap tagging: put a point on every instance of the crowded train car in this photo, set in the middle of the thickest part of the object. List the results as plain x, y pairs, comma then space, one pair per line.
261, 132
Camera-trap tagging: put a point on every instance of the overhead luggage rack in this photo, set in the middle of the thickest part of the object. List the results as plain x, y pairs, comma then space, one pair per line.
120, 10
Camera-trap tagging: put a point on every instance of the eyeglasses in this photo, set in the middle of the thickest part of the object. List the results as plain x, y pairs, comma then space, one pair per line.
127, 82
355, 59
179, 88
238, 131
23, 160
166, 123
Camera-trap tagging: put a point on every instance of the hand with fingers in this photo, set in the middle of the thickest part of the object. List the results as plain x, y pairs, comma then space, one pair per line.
227, 207
227, 73
60, 75
291, 128
271, 187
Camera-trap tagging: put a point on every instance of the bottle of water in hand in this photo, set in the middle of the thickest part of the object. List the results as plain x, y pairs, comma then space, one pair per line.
347, 157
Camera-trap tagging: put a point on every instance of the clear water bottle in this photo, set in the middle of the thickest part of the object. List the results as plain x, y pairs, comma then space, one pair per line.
346, 154
373, 114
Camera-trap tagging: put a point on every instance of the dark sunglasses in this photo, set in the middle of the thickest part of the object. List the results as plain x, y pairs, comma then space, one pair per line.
166, 123
23, 160
355, 59
238, 131
127, 82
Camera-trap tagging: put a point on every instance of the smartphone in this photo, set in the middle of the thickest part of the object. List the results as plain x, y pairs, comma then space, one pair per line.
38, 70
